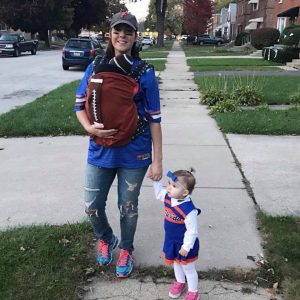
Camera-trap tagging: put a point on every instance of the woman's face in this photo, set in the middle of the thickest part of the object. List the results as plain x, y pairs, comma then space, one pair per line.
122, 38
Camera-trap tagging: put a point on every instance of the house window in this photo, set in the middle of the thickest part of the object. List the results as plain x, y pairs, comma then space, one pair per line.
281, 23
254, 6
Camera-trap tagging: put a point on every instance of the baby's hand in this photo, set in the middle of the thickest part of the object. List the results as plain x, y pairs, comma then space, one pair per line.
183, 252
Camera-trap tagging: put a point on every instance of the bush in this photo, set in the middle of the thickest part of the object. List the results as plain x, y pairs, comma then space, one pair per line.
264, 37
246, 95
212, 96
241, 38
290, 36
280, 55
228, 105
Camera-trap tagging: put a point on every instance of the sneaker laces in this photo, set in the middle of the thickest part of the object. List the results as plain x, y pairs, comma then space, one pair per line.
177, 285
103, 248
123, 258
190, 295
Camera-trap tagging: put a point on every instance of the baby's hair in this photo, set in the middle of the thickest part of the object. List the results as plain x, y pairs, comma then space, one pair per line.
187, 178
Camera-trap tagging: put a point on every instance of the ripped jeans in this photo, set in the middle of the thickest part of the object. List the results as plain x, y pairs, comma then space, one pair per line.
97, 185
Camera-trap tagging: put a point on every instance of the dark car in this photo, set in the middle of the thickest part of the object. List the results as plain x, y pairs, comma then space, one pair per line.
14, 44
80, 52
207, 39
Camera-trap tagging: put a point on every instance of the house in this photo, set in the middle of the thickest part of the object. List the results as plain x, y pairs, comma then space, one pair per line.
231, 21
286, 12
253, 14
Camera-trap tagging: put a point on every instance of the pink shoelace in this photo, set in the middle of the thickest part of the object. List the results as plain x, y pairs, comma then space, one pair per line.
123, 258
178, 286
103, 248
191, 296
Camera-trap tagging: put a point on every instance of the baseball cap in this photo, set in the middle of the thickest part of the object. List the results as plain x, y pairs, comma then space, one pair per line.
124, 17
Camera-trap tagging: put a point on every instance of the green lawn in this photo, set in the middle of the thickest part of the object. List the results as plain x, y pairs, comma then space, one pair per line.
49, 115
275, 89
207, 64
282, 244
45, 262
207, 50
261, 121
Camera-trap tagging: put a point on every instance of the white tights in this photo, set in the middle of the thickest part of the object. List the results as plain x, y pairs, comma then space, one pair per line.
189, 272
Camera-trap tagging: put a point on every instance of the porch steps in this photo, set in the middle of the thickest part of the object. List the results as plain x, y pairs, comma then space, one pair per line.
257, 53
295, 63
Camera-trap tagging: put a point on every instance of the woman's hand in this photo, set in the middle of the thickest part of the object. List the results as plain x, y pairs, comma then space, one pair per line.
97, 130
155, 171
183, 252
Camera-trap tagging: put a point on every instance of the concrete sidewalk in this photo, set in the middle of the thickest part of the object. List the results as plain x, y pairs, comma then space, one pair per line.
42, 180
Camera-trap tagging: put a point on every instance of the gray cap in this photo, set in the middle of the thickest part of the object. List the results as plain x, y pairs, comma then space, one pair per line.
124, 17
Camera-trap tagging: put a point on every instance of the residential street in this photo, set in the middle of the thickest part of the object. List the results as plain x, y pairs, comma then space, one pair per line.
24, 78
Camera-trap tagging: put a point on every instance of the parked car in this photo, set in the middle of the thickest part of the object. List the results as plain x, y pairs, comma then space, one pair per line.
14, 44
139, 45
207, 39
147, 40
184, 37
80, 52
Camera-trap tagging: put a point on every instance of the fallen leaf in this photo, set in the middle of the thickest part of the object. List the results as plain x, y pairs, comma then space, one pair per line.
64, 241
250, 257
89, 271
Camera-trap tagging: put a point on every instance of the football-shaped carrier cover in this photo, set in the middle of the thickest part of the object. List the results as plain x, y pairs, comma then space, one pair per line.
110, 102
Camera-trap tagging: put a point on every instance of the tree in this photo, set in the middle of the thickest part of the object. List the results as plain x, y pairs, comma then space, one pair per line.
173, 17
219, 4
35, 16
196, 15
160, 9
88, 13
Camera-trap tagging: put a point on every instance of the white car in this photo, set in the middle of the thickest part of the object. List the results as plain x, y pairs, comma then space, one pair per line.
147, 41
184, 37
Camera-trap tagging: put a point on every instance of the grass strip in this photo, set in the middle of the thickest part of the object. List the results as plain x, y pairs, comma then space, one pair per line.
261, 121
198, 64
282, 244
208, 50
49, 115
274, 89
44, 262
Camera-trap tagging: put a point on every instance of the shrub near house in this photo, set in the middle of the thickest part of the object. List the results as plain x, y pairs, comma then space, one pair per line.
289, 46
264, 37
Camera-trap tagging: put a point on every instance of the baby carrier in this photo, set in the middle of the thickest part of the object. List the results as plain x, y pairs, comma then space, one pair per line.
110, 94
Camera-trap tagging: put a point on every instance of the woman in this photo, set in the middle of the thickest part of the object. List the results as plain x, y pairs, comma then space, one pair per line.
129, 162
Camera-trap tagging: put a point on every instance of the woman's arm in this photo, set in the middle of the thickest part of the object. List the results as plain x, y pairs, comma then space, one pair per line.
155, 169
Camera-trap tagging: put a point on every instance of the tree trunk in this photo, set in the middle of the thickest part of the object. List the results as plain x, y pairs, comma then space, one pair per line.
160, 8
43, 35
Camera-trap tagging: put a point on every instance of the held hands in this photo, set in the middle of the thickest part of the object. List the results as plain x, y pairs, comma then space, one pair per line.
183, 252
97, 130
155, 171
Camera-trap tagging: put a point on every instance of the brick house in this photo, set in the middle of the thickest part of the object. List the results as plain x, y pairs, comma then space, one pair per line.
253, 14
286, 12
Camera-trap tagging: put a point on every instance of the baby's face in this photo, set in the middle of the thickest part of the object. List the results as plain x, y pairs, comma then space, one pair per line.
176, 189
